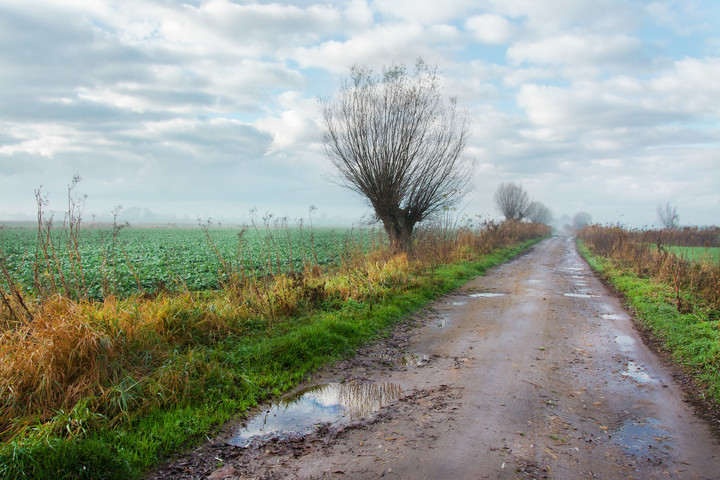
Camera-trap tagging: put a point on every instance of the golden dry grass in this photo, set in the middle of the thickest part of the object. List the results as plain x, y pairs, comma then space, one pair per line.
69, 363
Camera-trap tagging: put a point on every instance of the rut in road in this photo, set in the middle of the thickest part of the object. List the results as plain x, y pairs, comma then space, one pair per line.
532, 371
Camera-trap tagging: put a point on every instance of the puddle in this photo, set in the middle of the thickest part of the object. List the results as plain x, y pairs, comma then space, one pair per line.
415, 359
406, 359
637, 373
625, 342
581, 295
457, 303
442, 322
606, 308
486, 295
642, 437
334, 402
611, 316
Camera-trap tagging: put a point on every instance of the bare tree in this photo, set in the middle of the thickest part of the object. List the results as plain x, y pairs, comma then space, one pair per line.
396, 140
539, 212
668, 216
581, 219
512, 201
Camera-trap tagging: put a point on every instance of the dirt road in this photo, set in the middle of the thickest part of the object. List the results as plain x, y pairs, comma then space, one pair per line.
532, 371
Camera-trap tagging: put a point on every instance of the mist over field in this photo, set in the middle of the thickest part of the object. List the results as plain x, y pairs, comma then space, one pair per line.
207, 109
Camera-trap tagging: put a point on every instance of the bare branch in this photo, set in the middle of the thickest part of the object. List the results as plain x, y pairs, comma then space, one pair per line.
395, 140
668, 216
512, 201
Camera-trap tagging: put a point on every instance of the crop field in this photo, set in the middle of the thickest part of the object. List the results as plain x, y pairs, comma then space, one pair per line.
697, 254
151, 259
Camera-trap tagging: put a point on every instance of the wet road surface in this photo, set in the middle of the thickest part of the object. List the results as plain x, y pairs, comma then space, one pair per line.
532, 371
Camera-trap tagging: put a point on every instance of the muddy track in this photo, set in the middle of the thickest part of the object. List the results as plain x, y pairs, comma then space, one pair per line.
532, 371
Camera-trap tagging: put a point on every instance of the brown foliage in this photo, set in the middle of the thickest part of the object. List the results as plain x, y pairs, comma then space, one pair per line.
643, 253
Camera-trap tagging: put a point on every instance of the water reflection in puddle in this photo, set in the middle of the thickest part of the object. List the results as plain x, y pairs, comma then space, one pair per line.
415, 359
637, 373
486, 295
581, 295
642, 437
611, 316
333, 402
457, 303
625, 342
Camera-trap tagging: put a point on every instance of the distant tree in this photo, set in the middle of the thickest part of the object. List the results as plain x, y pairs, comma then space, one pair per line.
539, 212
668, 216
565, 222
581, 219
396, 140
512, 201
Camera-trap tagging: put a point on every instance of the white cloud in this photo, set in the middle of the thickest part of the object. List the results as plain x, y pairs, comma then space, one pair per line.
490, 28
375, 47
425, 11
594, 104
691, 87
296, 126
581, 49
550, 16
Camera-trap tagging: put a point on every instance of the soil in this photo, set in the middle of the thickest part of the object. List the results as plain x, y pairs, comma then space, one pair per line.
532, 371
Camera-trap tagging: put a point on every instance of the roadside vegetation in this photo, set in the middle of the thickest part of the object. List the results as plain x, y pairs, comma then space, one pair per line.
99, 380
675, 296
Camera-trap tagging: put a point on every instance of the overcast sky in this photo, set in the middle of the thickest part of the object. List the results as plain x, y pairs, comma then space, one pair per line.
209, 108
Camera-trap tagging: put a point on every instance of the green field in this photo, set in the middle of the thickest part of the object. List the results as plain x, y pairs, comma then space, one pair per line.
697, 254
178, 258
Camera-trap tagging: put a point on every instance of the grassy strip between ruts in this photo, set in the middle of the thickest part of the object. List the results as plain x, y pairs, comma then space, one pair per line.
243, 372
693, 339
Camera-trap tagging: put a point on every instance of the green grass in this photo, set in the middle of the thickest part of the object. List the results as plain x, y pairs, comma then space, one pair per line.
225, 379
693, 339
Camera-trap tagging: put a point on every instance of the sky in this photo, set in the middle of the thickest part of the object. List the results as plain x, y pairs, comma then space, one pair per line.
179, 111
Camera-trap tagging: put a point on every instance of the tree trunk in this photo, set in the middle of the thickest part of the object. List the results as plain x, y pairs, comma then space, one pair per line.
399, 229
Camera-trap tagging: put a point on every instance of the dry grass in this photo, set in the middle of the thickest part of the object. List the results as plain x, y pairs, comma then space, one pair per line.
67, 364
631, 250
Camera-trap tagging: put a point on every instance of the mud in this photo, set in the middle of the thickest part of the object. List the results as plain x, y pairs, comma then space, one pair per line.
545, 378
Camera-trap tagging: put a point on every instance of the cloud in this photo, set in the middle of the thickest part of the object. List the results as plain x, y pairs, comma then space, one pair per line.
379, 46
685, 93
551, 16
490, 28
425, 12
582, 50
209, 106
295, 127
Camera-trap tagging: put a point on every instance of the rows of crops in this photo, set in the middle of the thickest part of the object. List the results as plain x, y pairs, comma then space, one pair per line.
150, 259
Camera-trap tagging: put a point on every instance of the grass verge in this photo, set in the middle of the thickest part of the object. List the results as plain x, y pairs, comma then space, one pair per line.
227, 377
692, 339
